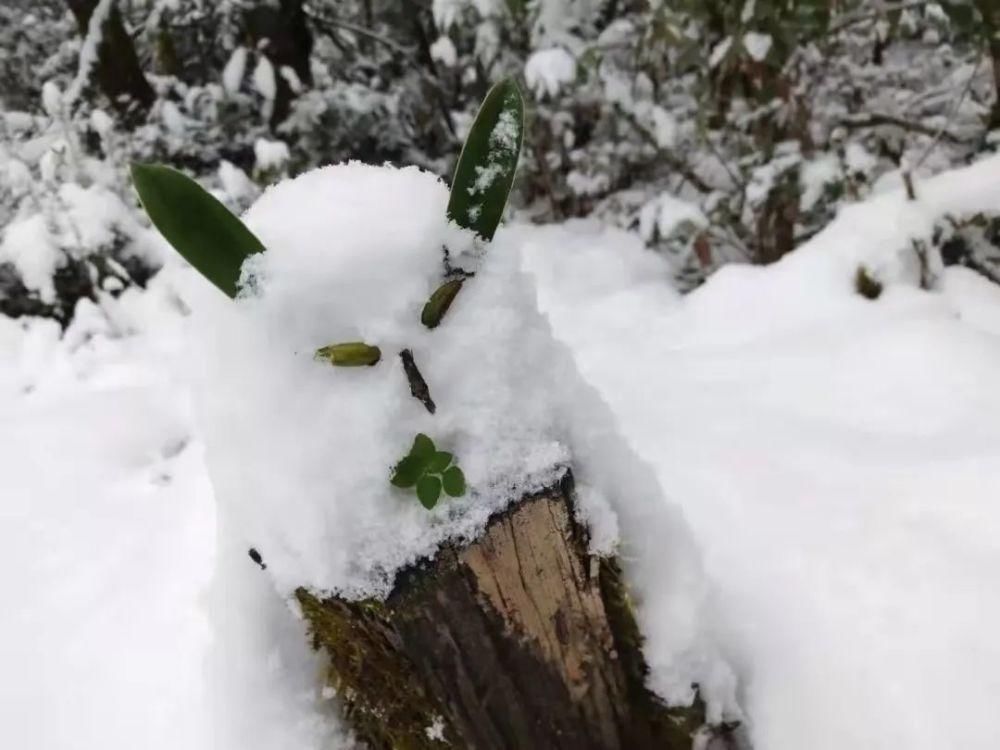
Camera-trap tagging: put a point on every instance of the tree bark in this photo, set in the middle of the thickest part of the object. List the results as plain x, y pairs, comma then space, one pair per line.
117, 70
521, 639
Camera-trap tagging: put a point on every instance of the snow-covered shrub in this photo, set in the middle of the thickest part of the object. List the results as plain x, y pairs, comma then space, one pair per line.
767, 117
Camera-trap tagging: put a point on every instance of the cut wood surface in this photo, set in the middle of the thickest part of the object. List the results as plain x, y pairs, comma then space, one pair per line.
521, 639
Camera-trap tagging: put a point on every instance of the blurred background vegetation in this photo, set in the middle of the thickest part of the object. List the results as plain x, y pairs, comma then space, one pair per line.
718, 130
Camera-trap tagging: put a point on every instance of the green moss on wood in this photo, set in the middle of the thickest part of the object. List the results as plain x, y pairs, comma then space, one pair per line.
674, 726
358, 640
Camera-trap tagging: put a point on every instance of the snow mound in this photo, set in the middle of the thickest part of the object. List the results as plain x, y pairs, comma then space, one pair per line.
300, 452
837, 458
548, 71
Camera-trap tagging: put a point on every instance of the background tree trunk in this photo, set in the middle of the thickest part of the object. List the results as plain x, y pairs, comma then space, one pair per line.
117, 70
281, 32
519, 640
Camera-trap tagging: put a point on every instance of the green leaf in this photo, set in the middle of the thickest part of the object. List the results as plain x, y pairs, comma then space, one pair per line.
428, 491
407, 472
485, 171
440, 462
454, 482
423, 448
436, 307
200, 228
350, 354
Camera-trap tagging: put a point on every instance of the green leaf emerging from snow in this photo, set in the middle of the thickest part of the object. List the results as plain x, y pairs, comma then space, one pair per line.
454, 482
200, 228
485, 172
407, 472
429, 490
423, 448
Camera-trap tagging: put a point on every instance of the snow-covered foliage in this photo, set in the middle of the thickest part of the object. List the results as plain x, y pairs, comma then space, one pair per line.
765, 116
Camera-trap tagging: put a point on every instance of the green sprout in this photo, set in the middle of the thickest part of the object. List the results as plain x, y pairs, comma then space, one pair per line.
429, 471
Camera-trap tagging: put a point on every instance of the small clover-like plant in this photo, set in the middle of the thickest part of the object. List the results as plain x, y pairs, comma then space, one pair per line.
429, 471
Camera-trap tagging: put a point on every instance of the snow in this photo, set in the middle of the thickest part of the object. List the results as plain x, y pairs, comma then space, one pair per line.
101, 122
264, 79
300, 452
547, 71
173, 118
800, 481
28, 245
837, 459
270, 155
719, 52
664, 127
235, 182
665, 213
232, 74
51, 99
88, 52
274, 416
292, 79
858, 159
757, 45
443, 51
503, 144
447, 12
83, 218
105, 537
816, 174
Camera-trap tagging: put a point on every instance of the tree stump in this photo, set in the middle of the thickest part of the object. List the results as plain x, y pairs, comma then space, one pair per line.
521, 639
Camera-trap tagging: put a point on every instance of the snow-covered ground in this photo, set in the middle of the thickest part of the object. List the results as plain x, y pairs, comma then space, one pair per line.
106, 537
836, 460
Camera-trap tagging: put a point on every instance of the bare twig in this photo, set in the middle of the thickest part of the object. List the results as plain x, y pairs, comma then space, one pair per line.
737, 181
360, 30
876, 120
418, 386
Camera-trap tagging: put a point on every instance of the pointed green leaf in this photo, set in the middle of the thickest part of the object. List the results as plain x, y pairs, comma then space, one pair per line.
439, 302
350, 354
485, 171
423, 448
428, 491
200, 228
440, 462
454, 482
407, 472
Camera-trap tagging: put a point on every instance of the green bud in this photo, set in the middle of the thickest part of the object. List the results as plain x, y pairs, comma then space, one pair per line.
351, 354
439, 302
